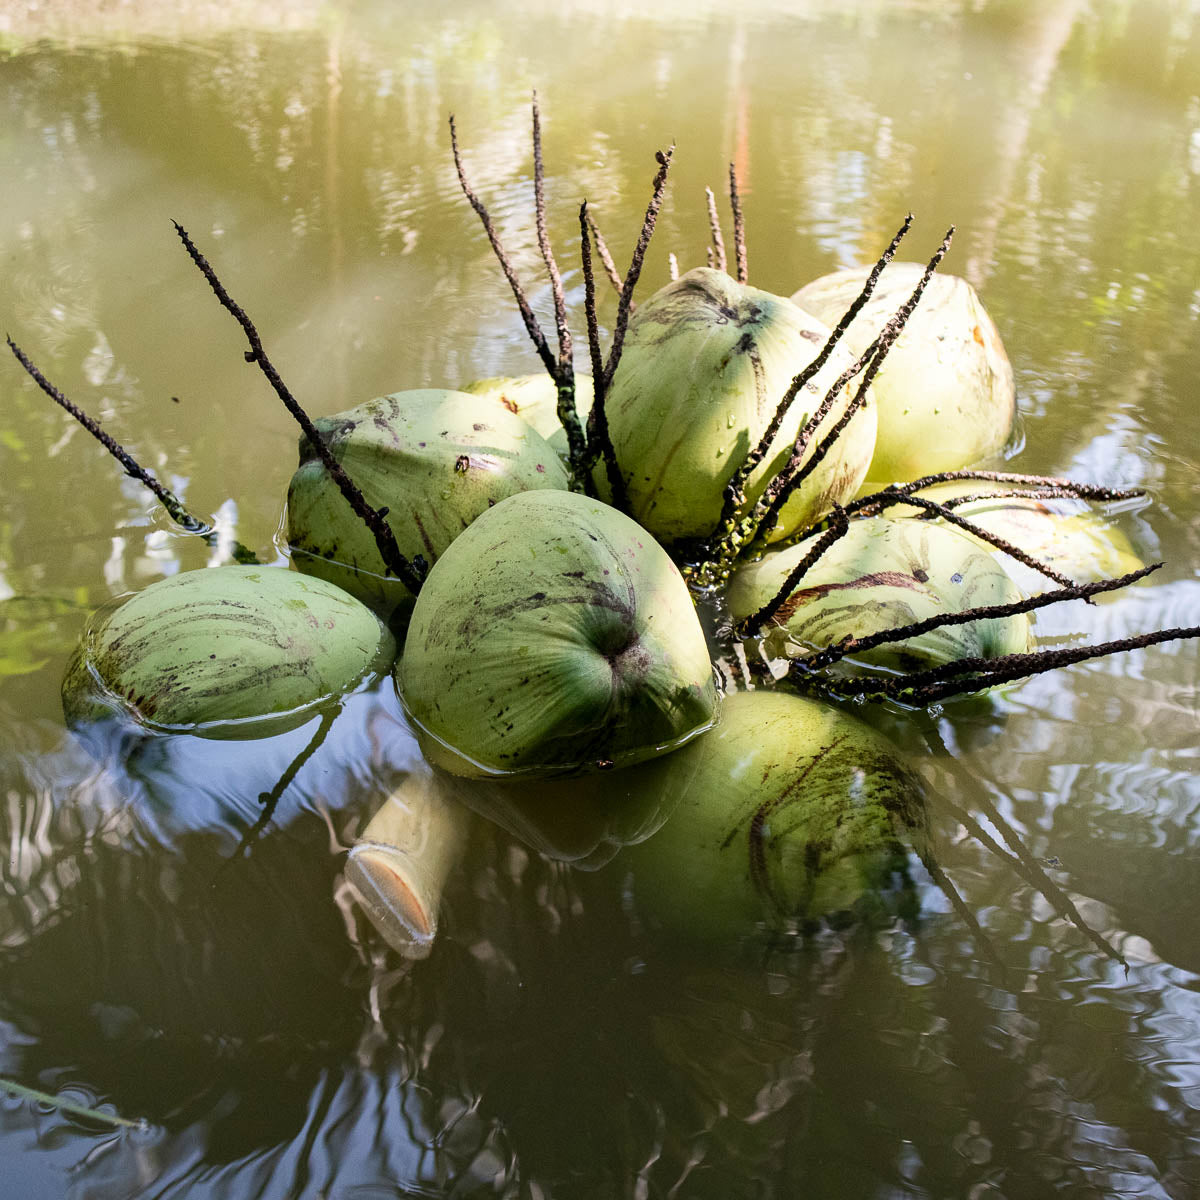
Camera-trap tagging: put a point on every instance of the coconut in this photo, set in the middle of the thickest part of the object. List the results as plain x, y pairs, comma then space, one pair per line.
705, 364
220, 651
554, 635
885, 573
398, 867
534, 398
945, 392
795, 812
434, 459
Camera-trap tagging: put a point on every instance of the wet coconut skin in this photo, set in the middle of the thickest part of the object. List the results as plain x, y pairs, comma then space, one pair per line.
554, 636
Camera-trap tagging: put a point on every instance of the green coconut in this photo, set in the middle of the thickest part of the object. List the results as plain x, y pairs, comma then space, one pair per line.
434, 459
883, 574
220, 651
945, 393
795, 812
1082, 545
534, 398
554, 635
705, 364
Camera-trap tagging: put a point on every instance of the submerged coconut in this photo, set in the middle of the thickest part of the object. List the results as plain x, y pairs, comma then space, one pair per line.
795, 811
215, 651
705, 364
945, 393
554, 635
534, 398
883, 574
398, 867
434, 459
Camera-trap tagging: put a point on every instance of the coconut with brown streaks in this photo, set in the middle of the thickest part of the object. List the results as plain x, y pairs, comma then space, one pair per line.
705, 364
434, 459
795, 812
554, 636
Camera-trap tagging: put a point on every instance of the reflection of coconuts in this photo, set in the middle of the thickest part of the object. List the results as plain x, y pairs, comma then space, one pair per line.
212, 649
434, 459
534, 398
945, 393
1082, 545
705, 364
796, 811
883, 574
554, 635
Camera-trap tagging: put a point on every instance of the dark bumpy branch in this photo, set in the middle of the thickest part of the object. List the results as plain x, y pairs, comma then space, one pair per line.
796, 471
867, 505
734, 490
975, 674
531, 324
543, 237
635, 265
717, 258
174, 506
838, 528
610, 267
739, 226
404, 570
598, 436
983, 612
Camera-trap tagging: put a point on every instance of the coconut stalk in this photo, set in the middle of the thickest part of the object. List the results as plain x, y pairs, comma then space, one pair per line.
769, 507
398, 866
409, 573
175, 507
734, 531
560, 368
717, 258
739, 227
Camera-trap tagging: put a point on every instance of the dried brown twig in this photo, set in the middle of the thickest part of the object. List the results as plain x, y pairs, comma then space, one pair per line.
739, 226
409, 573
717, 258
174, 506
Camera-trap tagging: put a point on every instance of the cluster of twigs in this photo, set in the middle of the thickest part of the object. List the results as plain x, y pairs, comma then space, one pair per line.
743, 527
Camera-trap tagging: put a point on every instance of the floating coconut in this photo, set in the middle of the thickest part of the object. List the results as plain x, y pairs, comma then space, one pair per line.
795, 811
705, 364
883, 574
945, 393
434, 459
216, 651
554, 635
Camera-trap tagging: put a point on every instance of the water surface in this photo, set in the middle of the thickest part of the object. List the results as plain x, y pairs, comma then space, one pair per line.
1032, 1032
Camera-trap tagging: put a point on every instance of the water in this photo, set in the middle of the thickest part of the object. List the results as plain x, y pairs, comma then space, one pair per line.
168, 961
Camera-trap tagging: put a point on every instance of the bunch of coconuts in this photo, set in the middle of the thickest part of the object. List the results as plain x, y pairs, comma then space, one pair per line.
524, 557
553, 662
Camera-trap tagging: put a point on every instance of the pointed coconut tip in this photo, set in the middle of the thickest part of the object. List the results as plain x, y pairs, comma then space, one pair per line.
389, 889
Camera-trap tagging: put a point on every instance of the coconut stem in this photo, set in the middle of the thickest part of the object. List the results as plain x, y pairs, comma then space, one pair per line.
407, 572
635, 266
797, 471
599, 440
869, 505
606, 258
717, 255
939, 683
543, 237
856, 645
732, 532
531, 324
838, 529
672, 266
174, 506
739, 226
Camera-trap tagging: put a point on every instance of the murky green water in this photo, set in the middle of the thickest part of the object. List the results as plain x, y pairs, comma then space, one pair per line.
1033, 1032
